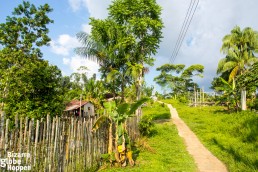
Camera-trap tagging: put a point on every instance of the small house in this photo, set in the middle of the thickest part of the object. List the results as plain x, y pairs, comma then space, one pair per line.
74, 107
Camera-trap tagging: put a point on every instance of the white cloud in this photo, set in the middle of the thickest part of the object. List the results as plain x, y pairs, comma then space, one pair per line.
96, 8
86, 28
76, 61
211, 22
66, 61
64, 45
75, 4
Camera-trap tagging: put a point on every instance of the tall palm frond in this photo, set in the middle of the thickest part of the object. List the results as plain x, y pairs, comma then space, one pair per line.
90, 49
239, 47
221, 65
229, 66
233, 73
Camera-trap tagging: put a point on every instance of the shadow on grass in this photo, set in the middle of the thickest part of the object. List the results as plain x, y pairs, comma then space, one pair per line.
136, 152
251, 134
223, 111
153, 133
160, 121
236, 155
165, 115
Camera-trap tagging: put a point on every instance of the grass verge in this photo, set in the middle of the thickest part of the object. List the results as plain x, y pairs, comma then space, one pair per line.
162, 151
157, 111
232, 137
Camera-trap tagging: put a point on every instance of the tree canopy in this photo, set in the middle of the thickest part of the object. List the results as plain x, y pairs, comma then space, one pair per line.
29, 86
177, 78
124, 42
27, 29
240, 48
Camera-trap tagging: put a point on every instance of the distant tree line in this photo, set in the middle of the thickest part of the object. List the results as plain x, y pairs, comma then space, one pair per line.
236, 83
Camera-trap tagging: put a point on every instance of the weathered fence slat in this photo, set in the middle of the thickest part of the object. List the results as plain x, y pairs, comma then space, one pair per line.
58, 143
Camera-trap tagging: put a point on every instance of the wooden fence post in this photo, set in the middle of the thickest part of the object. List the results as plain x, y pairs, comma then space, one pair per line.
56, 144
6, 135
36, 142
2, 131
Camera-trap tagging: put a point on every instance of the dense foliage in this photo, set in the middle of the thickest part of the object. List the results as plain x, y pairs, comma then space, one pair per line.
240, 48
177, 78
29, 86
124, 42
27, 29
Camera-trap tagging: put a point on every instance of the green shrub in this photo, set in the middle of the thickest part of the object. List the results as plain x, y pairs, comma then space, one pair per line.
255, 104
183, 99
151, 101
146, 125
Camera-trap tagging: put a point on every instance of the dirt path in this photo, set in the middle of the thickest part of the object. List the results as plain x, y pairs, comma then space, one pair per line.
205, 160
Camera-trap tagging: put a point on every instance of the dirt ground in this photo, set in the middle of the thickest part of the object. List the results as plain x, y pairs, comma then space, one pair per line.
205, 160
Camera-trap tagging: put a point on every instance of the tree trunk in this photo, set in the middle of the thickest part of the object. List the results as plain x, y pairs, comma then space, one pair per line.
138, 87
138, 95
123, 91
243, 99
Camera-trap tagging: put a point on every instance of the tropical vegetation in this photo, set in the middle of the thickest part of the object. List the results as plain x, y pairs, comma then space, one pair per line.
118, 115
178, 79
29, 85
239, 47
232, 137
124, 43
163, 149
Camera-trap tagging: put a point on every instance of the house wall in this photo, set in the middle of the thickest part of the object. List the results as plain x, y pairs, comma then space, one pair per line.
89, 109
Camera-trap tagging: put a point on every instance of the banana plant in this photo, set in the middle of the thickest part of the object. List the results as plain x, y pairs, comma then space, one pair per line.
118, 114
229, 92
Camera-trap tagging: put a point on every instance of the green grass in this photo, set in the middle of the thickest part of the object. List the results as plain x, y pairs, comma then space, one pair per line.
164, 150
157, 111
232, 137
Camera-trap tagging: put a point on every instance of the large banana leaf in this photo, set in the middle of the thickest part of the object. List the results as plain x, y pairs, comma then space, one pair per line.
100, 121
123, 108
109, 106
136, 105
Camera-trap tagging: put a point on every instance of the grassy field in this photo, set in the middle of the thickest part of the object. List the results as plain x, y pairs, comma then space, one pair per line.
164, 150
232, 137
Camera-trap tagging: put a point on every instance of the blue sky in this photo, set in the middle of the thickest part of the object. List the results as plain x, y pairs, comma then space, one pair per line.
212, 21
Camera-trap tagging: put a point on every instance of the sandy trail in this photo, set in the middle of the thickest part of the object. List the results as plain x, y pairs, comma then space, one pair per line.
205, 160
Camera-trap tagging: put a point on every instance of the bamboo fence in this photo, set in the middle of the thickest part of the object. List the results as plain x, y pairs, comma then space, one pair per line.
53, 144
57, 144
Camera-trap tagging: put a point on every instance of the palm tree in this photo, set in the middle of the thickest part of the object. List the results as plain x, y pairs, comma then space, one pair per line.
108, 44
239, 47
90, 48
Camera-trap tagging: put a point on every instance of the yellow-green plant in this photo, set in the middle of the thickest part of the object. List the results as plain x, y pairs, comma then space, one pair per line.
117, 114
